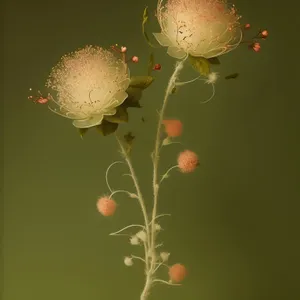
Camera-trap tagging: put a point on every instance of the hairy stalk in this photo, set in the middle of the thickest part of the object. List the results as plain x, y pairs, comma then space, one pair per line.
140, 199
155, 159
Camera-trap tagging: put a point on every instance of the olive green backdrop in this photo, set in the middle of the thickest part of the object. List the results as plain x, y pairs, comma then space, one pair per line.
235, 221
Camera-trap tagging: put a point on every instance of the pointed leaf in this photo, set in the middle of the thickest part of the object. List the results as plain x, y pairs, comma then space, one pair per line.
145, 20
200, 64
121, 116
134, 95
141, 82
214, 60
107, 128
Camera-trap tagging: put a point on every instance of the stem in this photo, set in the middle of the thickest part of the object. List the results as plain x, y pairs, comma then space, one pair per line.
155, 157
140, 199
129, 226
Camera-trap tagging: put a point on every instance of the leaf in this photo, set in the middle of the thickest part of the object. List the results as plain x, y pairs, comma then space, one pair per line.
150, 64
214, 60
145, 20
82, 131
200, 64
141, 82
232, 76
121, 116
134, 95
107, 128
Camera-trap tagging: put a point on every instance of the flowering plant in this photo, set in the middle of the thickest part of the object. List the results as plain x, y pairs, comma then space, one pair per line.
94, 89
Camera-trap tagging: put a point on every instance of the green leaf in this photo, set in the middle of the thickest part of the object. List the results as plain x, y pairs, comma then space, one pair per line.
200, 64
134, 96
214, 60
150, 64
121, 116
141, 82
107, 128
145, 20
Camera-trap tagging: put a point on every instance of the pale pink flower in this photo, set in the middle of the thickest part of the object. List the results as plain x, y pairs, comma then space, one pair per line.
201, 28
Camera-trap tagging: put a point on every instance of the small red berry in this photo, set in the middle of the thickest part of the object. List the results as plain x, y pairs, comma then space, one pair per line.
157, 67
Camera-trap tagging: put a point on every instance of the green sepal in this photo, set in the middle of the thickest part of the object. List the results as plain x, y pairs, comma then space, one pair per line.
128, 141
200, 64
82, 131
214, 61
141, 82
134, 96
121, 116
107, 128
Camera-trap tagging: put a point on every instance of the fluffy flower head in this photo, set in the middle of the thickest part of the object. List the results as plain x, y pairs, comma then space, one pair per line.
173, 128
201, 28
90, 83
187, 161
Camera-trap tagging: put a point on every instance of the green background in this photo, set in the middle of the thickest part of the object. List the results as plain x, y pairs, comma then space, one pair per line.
235, 221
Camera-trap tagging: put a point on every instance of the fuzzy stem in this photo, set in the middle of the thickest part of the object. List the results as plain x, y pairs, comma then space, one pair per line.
155, 159
140, 199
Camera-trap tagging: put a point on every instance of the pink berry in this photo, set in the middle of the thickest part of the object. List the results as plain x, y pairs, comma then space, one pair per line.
256, 47
42, 100
247, 26
106, 206
157, 67
187, 161
264, 33
177, 273
123, 49
135, 59
173, 128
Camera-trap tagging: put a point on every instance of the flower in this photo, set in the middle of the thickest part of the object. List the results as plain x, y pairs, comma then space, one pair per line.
200, 28
187, 161
142, 235
128, 261
106, 206
134, 240
177, 273
212, 77
173, 128
90, 83
164, 256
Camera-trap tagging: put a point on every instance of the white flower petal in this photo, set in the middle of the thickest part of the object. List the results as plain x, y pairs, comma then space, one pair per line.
176, 52
163, 39
120, 97
90, 122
